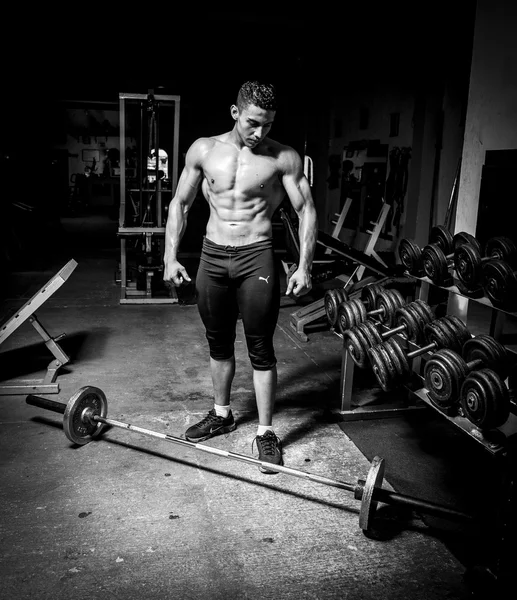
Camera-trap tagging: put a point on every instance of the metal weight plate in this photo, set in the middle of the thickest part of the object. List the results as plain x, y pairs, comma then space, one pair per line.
359, 310
491, 352
501, 398
405, 316
436, 333
411, 256
371, 336
464, 238
420, 320
374, 480
77, 427
435, 264
460, 331
371, 333
369, 295
383, 367
342, 295
386, 304
331, 302
502, 248
484, 399
390, 348
346, 316
468, 265
398, 298
357, 345
444, 374
399, 350
425, 310
442, 237
379, 366
499, 283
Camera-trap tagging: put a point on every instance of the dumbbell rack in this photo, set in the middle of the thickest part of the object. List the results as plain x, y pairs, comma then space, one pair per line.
500, 442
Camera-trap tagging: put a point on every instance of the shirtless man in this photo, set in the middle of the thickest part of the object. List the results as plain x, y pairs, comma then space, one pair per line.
244, 176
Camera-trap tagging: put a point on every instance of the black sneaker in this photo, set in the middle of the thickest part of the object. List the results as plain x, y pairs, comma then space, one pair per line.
211, 425
270, 450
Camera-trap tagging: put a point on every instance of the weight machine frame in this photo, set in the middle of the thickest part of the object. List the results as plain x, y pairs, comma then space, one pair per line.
157, 230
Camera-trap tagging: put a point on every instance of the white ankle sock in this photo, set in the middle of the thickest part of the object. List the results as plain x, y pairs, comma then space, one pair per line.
222, 411
263, 428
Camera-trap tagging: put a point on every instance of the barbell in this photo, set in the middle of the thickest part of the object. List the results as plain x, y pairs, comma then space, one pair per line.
85, 416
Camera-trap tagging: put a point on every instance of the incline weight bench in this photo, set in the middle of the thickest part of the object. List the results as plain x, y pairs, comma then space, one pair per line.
337, 252
46, 385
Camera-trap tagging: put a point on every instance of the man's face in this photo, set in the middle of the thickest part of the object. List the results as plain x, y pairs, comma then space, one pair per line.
253, 124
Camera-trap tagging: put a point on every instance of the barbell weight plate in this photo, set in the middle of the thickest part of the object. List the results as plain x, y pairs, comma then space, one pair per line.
356, 345
87, 400
464, 238
501, 248
435, 264
442, 237
411, 256
444, 374
468, 265
499, 283
374, 479
484, 399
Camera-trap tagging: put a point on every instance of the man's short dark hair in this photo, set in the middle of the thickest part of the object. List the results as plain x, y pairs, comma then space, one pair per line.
260, 94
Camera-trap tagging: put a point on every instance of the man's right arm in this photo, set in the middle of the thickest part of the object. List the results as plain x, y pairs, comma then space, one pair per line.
186, 192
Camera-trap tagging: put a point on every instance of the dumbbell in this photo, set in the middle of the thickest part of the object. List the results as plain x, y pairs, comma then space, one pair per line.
468, 261
500, 284
355, 311
332, 299
446, 370
410, 253
437, 261
391, 363
410, 321
485, 399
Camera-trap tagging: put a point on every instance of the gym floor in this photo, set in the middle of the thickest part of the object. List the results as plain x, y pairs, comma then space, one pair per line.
128, 516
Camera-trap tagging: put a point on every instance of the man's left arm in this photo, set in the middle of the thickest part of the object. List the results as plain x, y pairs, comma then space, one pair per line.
299, 193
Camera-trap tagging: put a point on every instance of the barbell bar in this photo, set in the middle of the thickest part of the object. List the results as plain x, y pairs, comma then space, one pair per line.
85, 416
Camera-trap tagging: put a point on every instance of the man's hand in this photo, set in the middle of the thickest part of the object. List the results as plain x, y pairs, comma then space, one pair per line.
299, 283
175, 273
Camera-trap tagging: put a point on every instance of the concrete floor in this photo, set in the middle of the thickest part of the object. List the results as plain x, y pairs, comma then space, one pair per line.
128, 516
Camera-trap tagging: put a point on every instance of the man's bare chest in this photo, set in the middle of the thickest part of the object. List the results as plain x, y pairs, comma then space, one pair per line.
242, 172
